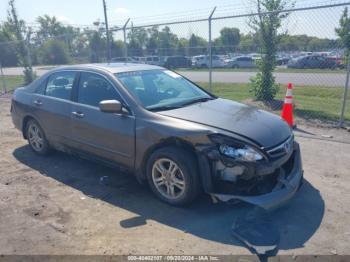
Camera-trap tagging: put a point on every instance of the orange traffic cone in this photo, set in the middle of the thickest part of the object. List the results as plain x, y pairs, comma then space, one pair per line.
287, 111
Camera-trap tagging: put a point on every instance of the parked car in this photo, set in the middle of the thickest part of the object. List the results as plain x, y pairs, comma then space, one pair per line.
313, 61
202, 61
177, 62
163, 128
123, 60
339, 61
153, 60
255, 56
241, 62
282, 60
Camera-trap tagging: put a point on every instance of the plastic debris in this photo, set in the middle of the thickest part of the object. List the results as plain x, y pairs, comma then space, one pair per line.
327, 136
257, 232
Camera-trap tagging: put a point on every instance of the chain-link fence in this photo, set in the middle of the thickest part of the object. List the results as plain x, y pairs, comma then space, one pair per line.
220, 52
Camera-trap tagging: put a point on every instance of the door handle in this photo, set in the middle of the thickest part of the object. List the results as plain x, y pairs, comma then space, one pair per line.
78, 114
37, 102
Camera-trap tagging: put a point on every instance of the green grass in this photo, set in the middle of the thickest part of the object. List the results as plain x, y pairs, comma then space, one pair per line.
311, 102
278, 70
11, 82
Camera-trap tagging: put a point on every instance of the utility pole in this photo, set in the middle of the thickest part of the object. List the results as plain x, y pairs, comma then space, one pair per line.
107, 32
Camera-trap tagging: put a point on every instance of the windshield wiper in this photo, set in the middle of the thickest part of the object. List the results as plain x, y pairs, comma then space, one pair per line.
163, 108
194, 101
198, 100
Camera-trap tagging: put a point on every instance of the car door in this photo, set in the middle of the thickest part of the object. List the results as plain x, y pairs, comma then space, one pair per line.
216, 61
52, 106
314, 62
322, 62
245, 62
106, 135
251, 62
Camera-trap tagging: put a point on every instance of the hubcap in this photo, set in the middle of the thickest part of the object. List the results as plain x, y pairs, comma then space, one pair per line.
168, 178
35, 137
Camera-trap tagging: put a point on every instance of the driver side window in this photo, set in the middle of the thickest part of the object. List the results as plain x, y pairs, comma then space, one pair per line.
94, 88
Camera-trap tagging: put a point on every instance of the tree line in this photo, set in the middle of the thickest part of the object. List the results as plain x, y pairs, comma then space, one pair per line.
56, 43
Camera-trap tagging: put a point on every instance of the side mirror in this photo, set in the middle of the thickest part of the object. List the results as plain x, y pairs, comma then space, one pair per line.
111, 106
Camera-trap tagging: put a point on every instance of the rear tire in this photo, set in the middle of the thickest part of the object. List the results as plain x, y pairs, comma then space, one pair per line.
36, 138
172, 175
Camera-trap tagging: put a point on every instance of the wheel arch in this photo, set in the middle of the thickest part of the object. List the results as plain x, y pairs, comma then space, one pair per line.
169, 142
25, 121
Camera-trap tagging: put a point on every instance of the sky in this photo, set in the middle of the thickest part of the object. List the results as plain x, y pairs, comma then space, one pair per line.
81, 13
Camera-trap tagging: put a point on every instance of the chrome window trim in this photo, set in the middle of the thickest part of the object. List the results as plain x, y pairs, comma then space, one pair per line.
82, 71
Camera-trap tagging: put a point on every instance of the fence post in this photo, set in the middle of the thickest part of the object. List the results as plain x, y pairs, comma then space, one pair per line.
125, 44
346, 88
109, 51
210, 51
29, 54
4, 88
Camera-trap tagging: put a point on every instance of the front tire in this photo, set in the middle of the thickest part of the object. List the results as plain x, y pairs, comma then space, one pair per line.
36, 138
173, 177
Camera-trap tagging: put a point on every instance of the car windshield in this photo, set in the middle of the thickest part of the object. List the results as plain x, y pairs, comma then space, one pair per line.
160, 90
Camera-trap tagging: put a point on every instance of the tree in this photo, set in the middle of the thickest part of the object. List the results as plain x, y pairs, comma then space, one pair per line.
182, 47
152, 40
167, 42
197, 45
54, 52
49, 26
8, 56
229, 38
18, 28
97, 46
249, 43
266, 24
137, 41
344, 33
117, 48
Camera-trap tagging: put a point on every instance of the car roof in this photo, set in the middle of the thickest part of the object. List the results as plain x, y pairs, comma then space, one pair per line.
112, 67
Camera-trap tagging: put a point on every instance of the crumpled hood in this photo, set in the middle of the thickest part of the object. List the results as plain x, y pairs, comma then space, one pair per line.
266, 129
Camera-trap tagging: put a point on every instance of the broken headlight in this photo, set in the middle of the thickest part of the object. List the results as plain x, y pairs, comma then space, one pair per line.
235, 149
246, 153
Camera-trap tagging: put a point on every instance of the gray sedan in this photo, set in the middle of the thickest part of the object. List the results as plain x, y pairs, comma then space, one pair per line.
241, 62
168, 131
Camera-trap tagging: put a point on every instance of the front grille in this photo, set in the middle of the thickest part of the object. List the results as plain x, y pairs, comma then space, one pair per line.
283, 149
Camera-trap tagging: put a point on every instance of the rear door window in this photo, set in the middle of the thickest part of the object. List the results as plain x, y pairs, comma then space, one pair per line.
59, 85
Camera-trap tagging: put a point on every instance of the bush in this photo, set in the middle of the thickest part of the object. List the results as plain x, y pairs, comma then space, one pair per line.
264, 87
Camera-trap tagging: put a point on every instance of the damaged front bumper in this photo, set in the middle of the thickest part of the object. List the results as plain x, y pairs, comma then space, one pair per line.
286, 172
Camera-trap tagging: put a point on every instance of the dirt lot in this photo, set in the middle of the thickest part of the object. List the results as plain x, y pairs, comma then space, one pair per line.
60, 205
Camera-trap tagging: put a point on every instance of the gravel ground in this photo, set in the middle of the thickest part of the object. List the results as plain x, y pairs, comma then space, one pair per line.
60, 205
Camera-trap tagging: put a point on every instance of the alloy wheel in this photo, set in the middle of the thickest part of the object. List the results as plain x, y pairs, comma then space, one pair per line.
35, 137
168, 178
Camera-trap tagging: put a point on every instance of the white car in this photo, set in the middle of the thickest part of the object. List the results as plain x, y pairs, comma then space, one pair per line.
152, 60
202, 61
241, 62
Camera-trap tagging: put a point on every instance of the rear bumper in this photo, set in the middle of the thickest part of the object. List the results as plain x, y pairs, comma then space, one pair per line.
16, 120
287, 186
